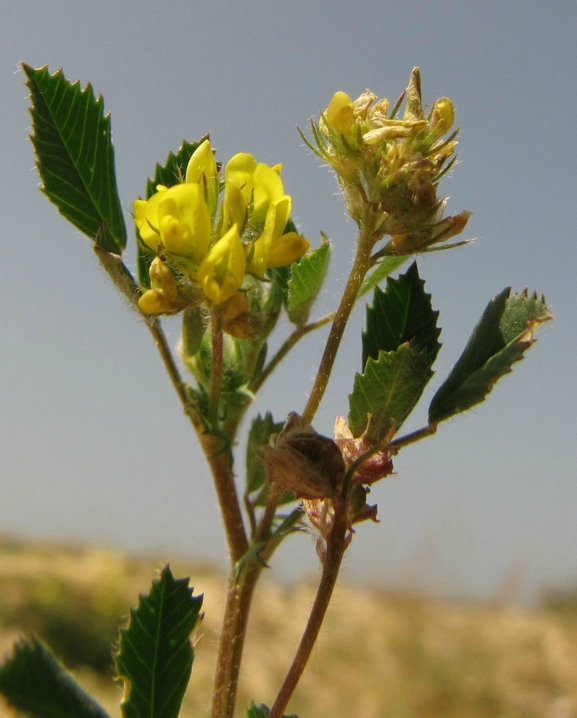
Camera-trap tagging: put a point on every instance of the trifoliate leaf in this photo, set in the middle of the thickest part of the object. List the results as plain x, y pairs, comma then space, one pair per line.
503, 334
402, 313
36, 683
155, 656
71, 136
307, 277
381, 272
386, 392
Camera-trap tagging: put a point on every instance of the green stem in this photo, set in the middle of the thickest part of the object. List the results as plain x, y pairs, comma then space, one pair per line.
411, 438
336, 545
361, 266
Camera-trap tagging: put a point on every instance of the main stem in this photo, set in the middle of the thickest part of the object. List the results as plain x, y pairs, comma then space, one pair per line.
239, 598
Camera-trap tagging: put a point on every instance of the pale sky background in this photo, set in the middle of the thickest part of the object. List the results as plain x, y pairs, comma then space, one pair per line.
93, 444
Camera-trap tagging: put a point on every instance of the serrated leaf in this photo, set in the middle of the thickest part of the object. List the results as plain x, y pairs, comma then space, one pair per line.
307, 277
75, 154
402, 313
380, 272
254, 711
261, 711
503, 334
171, 173
35, 682
155, 656
385, 394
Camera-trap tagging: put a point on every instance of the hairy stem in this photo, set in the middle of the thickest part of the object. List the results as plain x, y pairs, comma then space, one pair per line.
239, 598
336, 545
217, 368
155, 328
361, 266
216, 452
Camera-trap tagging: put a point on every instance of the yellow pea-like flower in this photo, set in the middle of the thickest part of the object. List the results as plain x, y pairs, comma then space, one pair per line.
177, 219
257, 181
223, 268
273, 248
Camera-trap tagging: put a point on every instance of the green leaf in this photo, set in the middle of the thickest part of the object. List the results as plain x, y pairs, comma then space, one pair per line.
256, 479
385, 394
307, 277
402, 313
35, 682
75, 154
155, 656
503, 334
261, 711
381, 271
171, 173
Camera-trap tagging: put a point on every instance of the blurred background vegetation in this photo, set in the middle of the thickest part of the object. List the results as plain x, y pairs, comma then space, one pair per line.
381, 654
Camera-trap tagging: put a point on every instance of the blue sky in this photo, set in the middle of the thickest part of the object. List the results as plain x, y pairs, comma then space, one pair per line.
93, 443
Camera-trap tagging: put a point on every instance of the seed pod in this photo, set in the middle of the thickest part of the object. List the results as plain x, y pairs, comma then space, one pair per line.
304, 462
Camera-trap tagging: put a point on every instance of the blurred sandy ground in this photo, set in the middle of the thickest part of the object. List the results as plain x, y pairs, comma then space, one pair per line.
381, 654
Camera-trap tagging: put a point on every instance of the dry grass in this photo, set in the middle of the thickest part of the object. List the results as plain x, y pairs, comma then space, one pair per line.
380, 655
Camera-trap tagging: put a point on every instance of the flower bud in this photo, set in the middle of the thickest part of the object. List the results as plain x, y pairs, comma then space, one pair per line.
163, 296
339, 114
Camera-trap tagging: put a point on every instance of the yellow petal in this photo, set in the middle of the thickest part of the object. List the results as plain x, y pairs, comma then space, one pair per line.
222, 270
148, 235
234, 207
202, 170
184, 221
268, 188
240, 169
340, 113
257, 181
153, 302
286, 249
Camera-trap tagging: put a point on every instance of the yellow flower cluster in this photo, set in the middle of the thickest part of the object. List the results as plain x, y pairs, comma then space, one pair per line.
212, 246
389, 166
